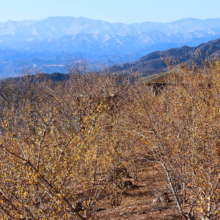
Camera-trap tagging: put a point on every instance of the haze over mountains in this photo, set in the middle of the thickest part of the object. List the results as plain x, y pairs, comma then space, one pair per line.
57, 26
46, 44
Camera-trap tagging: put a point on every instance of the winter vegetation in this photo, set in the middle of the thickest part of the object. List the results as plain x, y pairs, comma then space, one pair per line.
112, 146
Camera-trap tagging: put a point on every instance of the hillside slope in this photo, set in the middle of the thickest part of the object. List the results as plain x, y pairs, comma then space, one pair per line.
153, 62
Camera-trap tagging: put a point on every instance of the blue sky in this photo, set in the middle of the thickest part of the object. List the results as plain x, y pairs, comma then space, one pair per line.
125, 11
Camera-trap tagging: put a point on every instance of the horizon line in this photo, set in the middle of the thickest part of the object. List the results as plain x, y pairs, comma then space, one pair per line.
41, 19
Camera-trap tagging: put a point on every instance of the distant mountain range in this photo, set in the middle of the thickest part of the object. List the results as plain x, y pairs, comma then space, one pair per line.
53, 27
152, 63
46, 45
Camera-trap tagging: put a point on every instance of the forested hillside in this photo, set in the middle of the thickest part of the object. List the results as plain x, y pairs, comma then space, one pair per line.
155, 62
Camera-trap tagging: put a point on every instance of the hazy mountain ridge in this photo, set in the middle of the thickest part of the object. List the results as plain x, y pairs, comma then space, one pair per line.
57, 26
44, 44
